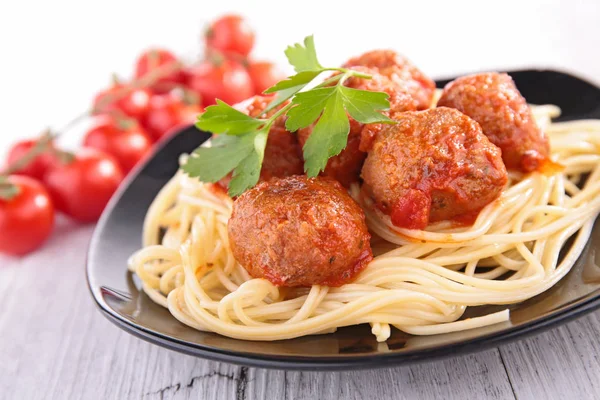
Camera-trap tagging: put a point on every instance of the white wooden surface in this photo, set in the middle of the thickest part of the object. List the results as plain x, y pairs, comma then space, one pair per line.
55, 344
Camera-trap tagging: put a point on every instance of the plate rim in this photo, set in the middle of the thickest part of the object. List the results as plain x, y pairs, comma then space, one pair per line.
353, 362
556, 318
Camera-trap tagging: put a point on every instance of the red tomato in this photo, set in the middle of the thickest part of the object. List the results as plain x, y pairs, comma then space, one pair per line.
38, 166
134, 103
230, 34
123, 139
152, 59
168, 112
264, 74
81, 187
26, 220
227, 80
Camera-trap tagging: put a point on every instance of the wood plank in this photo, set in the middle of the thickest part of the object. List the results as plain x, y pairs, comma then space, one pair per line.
61, 347
562, 363
479, 376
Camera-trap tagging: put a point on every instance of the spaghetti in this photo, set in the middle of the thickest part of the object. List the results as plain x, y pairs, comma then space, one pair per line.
420, 282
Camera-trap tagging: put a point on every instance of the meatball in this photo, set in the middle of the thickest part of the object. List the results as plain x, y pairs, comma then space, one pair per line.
300, 231
400, 71
432, 165
255, 106
493, 100
400, 99
346, 166
283, 154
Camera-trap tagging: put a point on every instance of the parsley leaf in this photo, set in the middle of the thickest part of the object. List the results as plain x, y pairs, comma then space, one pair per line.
222, 118
239, 147
330, 104
210, 164
299, 80
304, 58
8, 190
364, 106
328, 137
289, 87
247, 173
307, 107
281, 97
241, 154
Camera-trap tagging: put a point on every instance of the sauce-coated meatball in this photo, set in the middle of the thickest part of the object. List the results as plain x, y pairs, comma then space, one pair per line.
283, 153
300, 231
493, 100
432, 165
346, 166
400, 71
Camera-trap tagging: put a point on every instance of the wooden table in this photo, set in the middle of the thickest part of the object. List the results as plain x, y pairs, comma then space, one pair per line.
55, 344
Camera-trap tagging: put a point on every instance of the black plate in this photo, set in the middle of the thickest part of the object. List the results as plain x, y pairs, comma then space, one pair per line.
117, 292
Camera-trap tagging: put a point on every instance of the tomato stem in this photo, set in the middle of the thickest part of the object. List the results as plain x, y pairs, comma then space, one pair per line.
124, 123
8, 191
40, 146
215, 57
190, 97
43, 143
115, 79
69, 125
65, 157
147, 80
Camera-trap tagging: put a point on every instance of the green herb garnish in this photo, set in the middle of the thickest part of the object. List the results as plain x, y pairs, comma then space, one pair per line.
241, 140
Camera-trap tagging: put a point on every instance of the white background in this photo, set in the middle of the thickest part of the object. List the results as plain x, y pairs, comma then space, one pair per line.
55, 55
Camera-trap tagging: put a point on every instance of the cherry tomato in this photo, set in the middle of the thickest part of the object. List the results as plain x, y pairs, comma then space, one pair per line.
230, 34
81, 187
123, 139
264, 74
38, 166
226, 80
168, 112
152, 59
27, 219
134, 103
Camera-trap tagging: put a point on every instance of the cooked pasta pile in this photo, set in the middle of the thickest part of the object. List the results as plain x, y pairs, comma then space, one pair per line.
419, 282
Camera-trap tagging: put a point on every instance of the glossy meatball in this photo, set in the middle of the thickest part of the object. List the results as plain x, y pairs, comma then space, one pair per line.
346, 166
283, 153
432, 165
493, 100
300, 231
399, 98
400, 71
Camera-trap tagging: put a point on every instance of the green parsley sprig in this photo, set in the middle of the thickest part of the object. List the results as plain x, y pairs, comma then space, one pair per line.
241, 140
